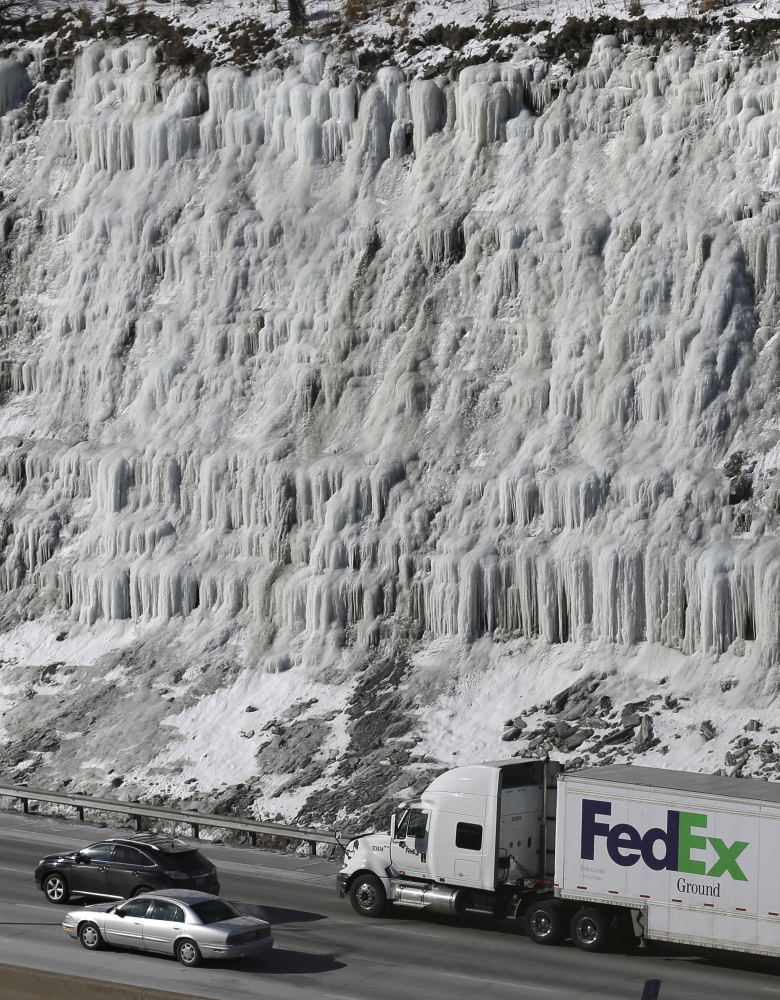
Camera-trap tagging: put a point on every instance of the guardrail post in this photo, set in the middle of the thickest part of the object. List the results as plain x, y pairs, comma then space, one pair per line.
139, 823
25, 808
253, 835
80, 811
195, 831
313, 848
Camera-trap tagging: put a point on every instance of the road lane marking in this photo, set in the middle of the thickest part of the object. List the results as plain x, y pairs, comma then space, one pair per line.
22, 871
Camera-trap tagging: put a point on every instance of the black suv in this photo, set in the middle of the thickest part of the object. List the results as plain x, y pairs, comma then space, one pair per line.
119, 868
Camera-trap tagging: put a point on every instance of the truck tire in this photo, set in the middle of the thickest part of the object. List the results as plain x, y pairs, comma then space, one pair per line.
590, 929
368, 896
545, 922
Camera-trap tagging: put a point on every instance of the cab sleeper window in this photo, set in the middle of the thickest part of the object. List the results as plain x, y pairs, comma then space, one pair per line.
468, 836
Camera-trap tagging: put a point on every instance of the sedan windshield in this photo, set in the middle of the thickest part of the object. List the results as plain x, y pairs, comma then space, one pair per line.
212, 911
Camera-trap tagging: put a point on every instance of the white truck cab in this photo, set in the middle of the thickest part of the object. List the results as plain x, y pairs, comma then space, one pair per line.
476, 838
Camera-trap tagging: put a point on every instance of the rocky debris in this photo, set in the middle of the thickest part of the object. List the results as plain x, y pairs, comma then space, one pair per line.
515, 728
632, 713
707, 730
737, 759
370, 776
576, 699
247, 733
753, 726
518, 722
250, 708
622, 735
644, 739
512, 734
576, 739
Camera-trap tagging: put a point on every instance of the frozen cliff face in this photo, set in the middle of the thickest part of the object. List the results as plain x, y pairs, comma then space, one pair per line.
473, 359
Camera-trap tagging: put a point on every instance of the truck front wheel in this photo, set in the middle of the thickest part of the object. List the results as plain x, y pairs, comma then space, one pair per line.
545, 923
590, 929
368, 896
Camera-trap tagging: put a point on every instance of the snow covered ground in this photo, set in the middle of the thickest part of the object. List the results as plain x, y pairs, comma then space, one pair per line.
347, 418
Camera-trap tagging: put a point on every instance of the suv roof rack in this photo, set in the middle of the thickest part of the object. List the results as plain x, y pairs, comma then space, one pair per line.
162, 841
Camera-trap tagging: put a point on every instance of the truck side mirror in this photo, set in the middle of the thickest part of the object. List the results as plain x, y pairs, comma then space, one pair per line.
337, 834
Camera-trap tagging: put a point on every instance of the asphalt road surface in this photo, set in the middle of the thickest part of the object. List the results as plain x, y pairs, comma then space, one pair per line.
324, 950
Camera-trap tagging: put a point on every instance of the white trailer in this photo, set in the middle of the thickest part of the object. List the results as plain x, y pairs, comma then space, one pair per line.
659, 854
694, 857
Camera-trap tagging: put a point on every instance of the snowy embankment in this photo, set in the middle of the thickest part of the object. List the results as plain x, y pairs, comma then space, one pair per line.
343, 424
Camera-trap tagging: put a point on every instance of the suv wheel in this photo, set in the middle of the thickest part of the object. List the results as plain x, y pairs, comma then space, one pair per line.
188, 953
141, 890
56, 888
90, 937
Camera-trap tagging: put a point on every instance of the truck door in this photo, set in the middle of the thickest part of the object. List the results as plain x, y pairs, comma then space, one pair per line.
409, 847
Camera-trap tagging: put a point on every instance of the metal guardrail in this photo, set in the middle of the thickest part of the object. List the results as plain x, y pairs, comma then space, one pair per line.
196, 820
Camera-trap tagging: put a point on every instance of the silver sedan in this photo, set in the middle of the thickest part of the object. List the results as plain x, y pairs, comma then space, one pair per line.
182, 922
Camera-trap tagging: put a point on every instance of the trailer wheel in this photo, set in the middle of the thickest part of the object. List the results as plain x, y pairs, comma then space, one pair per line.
590, 929
545, 922
368, 896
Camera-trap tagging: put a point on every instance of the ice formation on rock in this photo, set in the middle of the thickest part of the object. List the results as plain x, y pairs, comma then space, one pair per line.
457, 357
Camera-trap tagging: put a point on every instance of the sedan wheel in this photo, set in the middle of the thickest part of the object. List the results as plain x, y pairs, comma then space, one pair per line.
56, 889
90, 937
188, 953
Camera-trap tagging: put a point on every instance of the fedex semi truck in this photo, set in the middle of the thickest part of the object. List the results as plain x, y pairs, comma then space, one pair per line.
593, 854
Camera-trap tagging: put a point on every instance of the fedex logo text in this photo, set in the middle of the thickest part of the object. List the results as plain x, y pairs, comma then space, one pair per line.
659, 849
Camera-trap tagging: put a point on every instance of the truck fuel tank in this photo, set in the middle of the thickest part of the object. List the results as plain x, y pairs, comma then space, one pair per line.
435, 898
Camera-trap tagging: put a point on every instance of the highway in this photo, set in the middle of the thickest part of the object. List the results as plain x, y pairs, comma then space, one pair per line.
324, 950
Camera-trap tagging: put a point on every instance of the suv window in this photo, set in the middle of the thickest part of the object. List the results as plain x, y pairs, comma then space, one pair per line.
129, 856
190, 862
135, 908
98, 852
163, 909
